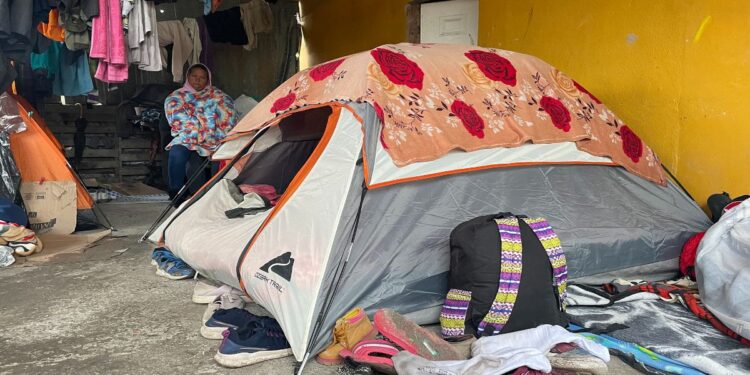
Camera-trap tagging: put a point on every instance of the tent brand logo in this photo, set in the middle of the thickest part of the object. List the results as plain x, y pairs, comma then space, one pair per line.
282, 265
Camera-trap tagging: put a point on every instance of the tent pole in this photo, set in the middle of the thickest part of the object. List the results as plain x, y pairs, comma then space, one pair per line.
176, 198
337, 278
100, 214
94, 207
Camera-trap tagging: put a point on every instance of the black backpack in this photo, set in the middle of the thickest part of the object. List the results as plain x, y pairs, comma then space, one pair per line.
487, 295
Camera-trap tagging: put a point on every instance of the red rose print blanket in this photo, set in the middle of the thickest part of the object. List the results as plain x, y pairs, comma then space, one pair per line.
432, 99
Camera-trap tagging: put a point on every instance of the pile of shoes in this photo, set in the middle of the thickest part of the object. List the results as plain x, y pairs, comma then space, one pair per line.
246, 338
170, 266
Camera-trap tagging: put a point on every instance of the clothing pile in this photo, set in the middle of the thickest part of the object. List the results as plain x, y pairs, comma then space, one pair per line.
395, 345
15, 237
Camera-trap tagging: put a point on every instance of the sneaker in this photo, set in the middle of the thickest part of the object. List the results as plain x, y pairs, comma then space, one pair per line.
247, 346
223, 302
206, 290
175, 269
236, 318
158, 253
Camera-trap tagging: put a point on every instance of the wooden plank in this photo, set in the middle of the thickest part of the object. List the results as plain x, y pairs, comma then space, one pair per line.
59, 108
91, 140
92, 128
136, 178
135, 143
96, 173
131, 171
97, 163
102, 178
139, 156
93, 153
91, 117
155, 163
126, 188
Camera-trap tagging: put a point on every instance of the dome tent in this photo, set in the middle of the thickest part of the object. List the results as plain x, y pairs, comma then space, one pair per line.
40, 158
379, 155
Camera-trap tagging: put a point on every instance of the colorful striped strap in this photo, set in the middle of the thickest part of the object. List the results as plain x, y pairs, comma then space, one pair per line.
552, 245
511, 268
511, 253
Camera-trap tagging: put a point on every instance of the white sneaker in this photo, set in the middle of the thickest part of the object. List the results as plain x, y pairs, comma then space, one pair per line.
224, 301
206, 290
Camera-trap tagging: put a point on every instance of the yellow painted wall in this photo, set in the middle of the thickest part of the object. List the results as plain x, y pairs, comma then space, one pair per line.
676, 71
334, 28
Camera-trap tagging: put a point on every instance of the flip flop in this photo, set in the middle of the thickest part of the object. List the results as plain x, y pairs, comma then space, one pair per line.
413, 338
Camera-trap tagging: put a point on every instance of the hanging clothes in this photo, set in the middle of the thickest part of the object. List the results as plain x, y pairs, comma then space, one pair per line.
226, 27
257, 17
207, 52
127, 7
173, 32
206, 7
143, 37
69, 70
78, 9
262, 16
191, 27
16, 28
74, 17
41, 11
247, 24
108, 43
52, 29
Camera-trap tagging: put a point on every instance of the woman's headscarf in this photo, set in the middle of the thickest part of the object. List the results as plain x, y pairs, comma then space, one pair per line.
200, 120
187, 85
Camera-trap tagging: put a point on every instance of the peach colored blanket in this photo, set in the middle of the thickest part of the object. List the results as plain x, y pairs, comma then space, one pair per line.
434, 98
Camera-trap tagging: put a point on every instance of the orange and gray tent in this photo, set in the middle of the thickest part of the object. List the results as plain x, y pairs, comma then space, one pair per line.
39, 158
379, 155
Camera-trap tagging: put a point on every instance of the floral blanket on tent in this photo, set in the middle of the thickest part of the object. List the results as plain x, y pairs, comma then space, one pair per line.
434, 98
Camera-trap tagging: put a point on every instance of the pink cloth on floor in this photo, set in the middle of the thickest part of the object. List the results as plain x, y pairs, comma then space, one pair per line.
265, 191
108, 43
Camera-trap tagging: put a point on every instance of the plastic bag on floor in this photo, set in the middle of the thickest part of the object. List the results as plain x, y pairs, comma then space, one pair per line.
6, 256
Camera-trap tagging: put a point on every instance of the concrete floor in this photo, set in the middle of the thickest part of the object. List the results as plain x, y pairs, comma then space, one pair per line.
106, 312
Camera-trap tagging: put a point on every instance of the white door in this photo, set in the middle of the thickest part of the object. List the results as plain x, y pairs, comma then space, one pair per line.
450, 22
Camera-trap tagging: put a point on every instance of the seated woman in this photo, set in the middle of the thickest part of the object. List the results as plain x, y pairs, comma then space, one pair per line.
200, 116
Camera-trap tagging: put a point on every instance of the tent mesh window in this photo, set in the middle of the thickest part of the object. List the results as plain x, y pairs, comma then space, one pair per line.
278, 164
